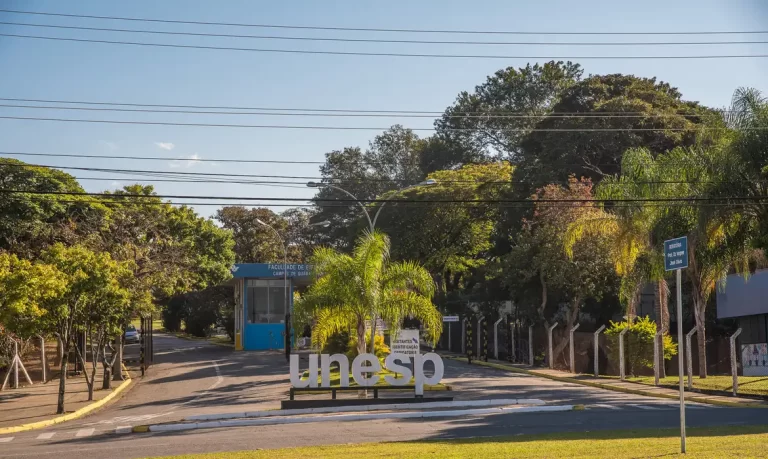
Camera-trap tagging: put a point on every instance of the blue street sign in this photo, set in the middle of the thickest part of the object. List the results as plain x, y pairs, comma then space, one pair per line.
676, 253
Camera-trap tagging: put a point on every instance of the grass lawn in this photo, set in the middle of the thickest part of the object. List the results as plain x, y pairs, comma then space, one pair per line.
702, 443
748, 385
335, 380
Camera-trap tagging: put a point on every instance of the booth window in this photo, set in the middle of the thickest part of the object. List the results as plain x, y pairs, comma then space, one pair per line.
266, 301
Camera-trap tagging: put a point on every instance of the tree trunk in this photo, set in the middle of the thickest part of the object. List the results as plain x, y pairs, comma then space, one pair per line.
570, 321
361, 336
543, 306
117, 366
701, 338
107, 381
62, 379
59, 351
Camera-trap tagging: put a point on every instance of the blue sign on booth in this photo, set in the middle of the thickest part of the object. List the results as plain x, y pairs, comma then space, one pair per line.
676, 254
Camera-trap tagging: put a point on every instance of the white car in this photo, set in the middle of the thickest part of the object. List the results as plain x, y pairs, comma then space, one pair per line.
131, 335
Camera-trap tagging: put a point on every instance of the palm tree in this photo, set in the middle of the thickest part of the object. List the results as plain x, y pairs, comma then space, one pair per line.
350, 289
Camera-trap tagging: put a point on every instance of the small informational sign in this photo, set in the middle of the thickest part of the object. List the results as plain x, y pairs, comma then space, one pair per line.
676, 254
450, 318
406, 343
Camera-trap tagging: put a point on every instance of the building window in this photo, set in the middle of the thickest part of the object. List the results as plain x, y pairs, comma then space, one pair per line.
266, 301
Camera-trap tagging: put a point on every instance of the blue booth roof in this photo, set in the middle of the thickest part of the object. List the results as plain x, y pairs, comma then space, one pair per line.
259, 270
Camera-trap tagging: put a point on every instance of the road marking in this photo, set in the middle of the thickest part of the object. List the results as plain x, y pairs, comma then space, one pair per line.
123, 429
46, 436
85, 432
645, 407
6, 439
609, 407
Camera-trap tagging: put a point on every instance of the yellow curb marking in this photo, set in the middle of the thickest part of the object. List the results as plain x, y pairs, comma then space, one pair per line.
68, 417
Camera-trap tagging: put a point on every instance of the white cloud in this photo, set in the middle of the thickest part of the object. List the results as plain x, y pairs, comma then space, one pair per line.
108, 144
186, 161
165, 145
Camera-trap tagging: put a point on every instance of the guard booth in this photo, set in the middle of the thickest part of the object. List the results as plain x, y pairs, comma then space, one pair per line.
260, 303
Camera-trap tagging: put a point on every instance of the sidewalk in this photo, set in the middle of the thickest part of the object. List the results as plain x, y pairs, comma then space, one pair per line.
37, 403
617, 385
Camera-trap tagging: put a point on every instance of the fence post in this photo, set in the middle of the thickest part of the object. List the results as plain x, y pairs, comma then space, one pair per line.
511, 356
597, 348
688, 357
464, 335
496, 338
622, 370
734, 363
573, 352
479, 335
549, 345
43, 361
656, 346
530, 345
141, 349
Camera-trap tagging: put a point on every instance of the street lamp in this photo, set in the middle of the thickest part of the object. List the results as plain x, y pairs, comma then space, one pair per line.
285, 286
372, 224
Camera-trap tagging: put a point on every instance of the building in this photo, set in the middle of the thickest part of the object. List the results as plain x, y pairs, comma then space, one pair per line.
260, 303
747, 301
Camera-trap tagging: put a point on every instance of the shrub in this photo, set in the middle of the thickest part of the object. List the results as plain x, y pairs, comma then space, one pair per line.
338, 343
638, 343
173, 313
380, 348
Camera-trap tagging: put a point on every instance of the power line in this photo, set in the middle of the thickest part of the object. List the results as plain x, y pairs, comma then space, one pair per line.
490, 115
381, 40
224, 177
350, 128
369, 29
377, 200
377, 54
323, 110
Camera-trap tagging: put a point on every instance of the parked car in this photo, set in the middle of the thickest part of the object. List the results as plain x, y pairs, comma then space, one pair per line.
131, 335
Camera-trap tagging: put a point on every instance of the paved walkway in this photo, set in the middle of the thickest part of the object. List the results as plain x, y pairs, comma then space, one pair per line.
38, 402
621, 386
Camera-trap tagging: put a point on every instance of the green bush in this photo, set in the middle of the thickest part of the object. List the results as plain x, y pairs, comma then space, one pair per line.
338, 343
380, 348
638, 343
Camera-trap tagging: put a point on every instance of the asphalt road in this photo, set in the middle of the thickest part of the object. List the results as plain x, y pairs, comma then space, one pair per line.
193, 377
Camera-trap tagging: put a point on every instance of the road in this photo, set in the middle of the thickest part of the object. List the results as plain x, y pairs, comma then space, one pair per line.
194, 377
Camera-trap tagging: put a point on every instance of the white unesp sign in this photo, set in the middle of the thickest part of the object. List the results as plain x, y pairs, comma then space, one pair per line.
406, 342
365, 368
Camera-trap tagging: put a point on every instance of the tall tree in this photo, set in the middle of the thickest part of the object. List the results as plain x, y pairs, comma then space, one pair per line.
495, 117
254, 243
30, 222
451, 239
538, 253
600, 118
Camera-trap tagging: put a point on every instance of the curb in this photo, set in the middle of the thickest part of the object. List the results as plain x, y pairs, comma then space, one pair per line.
347, 409
348, 418
68, 417
610, 387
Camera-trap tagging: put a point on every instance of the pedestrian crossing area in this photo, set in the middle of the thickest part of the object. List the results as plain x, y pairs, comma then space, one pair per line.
647, 406
64, 435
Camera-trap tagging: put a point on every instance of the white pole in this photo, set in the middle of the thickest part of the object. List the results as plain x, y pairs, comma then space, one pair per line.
479, 335
734, 364
43, 361
689, 357
496, 338
680, 358
656, 363
15, 365
597, 348
572, 350
531, 361
622, 369
549, 344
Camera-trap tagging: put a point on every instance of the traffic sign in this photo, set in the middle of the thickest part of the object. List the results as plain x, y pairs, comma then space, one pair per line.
676, 253
450, 318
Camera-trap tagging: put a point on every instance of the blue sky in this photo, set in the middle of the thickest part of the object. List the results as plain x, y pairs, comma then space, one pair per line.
102, 72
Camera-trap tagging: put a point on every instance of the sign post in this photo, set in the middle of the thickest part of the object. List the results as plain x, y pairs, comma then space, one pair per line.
450, 319
675, 259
